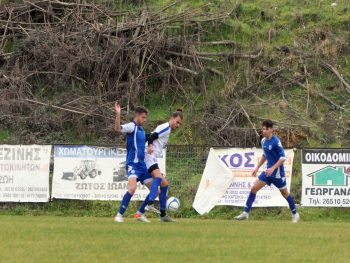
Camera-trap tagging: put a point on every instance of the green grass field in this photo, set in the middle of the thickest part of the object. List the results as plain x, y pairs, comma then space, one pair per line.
89, 239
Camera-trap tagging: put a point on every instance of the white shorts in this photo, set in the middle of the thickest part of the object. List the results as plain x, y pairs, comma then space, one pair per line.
150, 160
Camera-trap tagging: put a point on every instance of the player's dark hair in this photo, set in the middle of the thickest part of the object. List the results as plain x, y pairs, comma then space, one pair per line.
267, 124
140, 110
177, 113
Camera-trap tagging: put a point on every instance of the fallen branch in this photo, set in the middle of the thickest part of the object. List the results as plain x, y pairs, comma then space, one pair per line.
230, 54
282, 122
248, 118
261, 81
216, 71
181, 68
53, 72
319, 93
67, 109
228, 120
338, 75
222, 42
189, 56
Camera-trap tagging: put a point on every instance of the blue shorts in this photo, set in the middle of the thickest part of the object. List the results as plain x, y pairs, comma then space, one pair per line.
139, 171
280, 183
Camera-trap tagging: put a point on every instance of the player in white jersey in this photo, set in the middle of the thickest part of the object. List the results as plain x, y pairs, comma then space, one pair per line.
156, 143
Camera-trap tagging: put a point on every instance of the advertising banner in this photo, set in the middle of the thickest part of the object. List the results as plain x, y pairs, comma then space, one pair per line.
215, 180
326, 175
24, 173
240, 163
93, 173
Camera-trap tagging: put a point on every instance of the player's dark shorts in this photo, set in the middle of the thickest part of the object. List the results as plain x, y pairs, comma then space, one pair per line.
153, 167
139, 171
280, 183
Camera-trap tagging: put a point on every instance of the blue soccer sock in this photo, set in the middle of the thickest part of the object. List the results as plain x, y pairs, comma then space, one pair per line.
249, 203
291, 203
125, 203
162, 200
144, 204
154, 189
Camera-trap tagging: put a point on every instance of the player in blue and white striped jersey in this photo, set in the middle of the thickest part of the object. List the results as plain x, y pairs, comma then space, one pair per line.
135, 163
274, 174
156, 143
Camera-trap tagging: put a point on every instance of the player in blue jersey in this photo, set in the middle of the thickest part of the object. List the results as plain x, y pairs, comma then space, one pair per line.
274, 174
156, 143
135, 163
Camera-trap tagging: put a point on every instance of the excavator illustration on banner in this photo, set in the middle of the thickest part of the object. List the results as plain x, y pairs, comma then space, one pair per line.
87, 168
119, 174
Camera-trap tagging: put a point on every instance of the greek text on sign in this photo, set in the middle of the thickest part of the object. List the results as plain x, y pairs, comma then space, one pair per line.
326, 175
93, 173
241, 163
24, 173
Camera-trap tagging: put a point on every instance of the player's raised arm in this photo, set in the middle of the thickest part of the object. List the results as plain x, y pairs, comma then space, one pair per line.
117, 126
125, 128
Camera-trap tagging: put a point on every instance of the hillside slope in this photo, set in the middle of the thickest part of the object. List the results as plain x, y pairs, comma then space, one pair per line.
242, 62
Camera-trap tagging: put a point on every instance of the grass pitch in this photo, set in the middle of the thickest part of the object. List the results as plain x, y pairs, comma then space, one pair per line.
89, 239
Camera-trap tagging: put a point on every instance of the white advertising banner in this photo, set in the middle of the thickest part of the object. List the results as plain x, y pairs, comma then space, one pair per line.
326, 175
240, 163
215, 180
93, 173
24, 173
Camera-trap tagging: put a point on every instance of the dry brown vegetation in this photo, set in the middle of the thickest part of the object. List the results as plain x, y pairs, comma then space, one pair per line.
63, 64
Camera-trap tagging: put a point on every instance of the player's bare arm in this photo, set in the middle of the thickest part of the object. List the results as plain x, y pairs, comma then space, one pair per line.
117, 126
270, 170
261, 162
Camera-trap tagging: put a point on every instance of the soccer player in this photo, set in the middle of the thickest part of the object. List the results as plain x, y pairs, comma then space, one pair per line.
135, 164
157, 141
274, 174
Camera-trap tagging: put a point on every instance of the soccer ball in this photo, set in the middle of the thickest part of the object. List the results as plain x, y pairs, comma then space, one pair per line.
173, 203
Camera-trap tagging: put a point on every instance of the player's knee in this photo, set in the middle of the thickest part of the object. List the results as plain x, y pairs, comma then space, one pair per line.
285, 194
254, 190
132, 189
164, 183
159, 176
